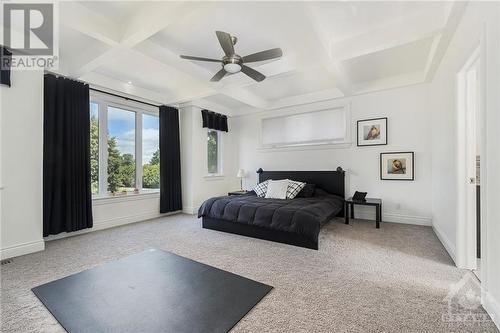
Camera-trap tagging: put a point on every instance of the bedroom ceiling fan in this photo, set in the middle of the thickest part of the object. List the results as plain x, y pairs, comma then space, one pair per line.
232, 63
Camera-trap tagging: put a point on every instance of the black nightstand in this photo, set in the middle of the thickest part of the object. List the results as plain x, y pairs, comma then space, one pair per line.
238, 192
368, 202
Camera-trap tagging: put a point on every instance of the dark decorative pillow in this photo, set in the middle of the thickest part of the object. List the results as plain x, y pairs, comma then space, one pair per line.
307, 191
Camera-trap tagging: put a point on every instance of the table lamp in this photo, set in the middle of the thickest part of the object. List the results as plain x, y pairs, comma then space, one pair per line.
241, 175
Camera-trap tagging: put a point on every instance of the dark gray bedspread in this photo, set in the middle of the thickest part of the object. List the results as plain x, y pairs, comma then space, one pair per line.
300, 215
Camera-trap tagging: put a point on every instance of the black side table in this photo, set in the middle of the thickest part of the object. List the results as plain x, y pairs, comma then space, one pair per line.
368, 202
238, 192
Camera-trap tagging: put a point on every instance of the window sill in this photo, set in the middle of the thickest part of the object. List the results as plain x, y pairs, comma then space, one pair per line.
214, 177
306, 146
103, 199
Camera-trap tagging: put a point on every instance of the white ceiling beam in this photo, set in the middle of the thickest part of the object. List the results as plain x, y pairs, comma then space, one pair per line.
82, 65
341, 78
442, 42
152, 19
313, 97
398, 32
186, 98
397, 81
342, 81
164, 55
157, 16
246, 97
85, 21
212, 106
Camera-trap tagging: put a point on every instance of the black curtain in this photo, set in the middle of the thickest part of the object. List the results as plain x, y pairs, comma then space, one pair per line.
170, 160
214, 120
5, 59
67, 198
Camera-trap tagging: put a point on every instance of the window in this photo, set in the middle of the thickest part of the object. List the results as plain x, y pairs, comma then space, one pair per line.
213, 143
328, 126
129, 158
94, 147
121, 150
150, 151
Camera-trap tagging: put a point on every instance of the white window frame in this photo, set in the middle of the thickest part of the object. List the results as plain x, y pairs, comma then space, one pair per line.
219, 172
104, 101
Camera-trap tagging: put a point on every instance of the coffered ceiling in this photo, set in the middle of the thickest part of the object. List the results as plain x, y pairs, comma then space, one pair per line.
330, 49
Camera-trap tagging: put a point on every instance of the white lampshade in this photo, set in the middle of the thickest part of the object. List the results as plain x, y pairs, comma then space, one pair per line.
241, 173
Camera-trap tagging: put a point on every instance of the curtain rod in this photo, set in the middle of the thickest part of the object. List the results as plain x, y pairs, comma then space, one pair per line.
124, 97
102, 91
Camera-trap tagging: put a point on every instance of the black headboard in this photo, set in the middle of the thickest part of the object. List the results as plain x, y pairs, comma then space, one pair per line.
330, 181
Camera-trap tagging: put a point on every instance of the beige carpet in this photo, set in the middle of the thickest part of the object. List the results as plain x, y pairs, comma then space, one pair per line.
394, 279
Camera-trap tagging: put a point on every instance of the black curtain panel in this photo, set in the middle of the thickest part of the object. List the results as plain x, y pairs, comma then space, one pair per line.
5, 58
170, 160
214, 120
67, 198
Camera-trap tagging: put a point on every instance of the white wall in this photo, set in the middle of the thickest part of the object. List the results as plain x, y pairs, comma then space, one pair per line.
21, 164
197, 186
408, 115
479, 17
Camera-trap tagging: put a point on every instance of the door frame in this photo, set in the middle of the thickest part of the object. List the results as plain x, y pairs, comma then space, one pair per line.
466, 227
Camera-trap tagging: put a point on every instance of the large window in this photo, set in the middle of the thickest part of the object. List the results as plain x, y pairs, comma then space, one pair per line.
124, 146
213, 144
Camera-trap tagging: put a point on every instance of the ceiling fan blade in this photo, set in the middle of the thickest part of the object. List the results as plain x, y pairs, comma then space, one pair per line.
264, 55
199, 58
253, 73
225, 42
218, 76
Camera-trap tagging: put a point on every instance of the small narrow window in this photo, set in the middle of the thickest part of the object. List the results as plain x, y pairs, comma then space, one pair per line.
213, 152
94, 147
150, 151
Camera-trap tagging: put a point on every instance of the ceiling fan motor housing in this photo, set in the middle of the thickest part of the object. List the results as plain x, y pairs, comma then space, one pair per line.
232, 59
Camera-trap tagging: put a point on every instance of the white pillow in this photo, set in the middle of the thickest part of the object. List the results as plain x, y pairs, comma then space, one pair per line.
276, 189
294, 188
261, 189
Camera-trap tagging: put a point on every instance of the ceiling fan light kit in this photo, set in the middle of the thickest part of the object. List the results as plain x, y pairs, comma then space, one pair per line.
232, 63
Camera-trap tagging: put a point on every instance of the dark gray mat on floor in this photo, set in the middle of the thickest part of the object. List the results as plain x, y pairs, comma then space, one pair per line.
153, 291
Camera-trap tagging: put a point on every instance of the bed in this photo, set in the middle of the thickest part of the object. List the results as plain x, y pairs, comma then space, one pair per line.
292, 221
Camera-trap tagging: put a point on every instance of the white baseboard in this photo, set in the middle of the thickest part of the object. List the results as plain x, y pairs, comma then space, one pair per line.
492, 306
448, 245
110, 223
369, 214
117, 221
22, 249
188, 210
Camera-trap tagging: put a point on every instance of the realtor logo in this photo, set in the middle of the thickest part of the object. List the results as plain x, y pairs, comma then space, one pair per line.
30, 34
464, 303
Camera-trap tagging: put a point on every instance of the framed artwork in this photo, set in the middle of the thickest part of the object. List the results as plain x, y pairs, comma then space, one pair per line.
397, 166
372, 132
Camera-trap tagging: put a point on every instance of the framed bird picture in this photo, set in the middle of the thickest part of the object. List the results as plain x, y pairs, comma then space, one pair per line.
397, 166
372, 132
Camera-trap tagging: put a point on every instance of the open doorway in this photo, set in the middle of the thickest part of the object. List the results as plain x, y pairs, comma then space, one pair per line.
469, 163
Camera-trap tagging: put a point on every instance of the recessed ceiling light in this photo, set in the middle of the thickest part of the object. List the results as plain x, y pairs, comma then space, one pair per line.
129, 82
